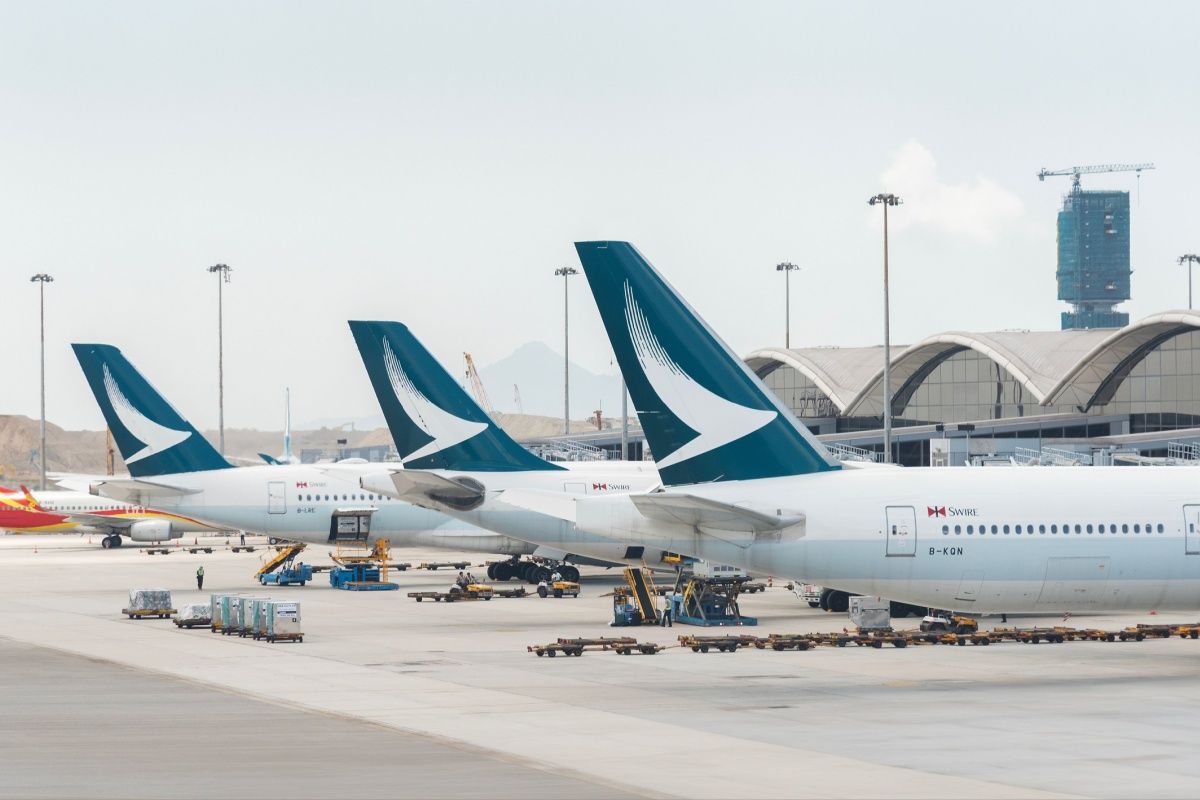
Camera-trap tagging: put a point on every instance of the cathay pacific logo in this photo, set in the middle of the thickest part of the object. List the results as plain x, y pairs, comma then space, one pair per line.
155, 437
717, 421
444, 428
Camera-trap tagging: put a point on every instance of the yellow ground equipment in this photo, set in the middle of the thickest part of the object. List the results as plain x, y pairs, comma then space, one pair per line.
558, 589
949, 623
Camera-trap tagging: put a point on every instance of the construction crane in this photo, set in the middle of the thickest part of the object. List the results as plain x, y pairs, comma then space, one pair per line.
1076, 172
517, 399
477, 385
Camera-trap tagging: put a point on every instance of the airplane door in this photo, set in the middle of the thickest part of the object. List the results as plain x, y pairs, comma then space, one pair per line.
901, 531
276, 498
1191, 530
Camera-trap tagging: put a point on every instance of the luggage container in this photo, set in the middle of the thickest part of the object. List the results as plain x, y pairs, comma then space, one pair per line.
244, 616
258, 617
229, 613
283, 621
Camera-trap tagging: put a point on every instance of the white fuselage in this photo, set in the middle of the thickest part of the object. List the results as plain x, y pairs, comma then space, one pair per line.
553, 537
968, 539
299, 502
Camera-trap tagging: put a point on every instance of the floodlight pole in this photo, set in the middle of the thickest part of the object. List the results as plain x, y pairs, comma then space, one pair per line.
886, 199
1191, 260
787, 268
222, 271
41, 279
566, 273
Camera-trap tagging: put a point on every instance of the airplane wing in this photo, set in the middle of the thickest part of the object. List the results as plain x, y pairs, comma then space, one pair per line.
703, 513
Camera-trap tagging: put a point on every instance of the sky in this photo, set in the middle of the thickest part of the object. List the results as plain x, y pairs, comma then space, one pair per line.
434, 162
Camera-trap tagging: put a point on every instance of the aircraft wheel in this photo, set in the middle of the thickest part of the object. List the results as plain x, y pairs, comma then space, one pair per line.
491, 572
569, 573
106, 542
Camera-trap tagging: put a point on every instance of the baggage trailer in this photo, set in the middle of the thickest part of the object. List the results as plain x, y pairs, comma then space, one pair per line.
282, 622
193, 615
722, 644
575, 647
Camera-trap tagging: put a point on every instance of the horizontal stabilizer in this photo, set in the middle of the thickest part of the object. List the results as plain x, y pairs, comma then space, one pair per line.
736, 523
558, 505
426, 489
130, 489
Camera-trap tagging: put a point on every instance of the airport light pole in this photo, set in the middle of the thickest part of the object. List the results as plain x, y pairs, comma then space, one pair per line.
222, 271
886, 199
566, 273
787, 268
41, 279
1190, 260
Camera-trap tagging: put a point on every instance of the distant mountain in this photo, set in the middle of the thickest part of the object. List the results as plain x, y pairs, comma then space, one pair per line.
538, 371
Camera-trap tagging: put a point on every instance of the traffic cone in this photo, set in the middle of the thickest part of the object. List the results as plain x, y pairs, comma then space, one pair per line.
770, 581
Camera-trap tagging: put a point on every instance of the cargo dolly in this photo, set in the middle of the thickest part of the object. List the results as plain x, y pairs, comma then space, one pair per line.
244, 548
778, 642
473, 591
146, 613
195, 622
433, 566
194, 550
722, 644
160, 550
575, 647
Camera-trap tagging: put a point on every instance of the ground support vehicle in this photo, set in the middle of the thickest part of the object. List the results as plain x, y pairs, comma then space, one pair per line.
558, 589
244, 548
195, 550
159, 550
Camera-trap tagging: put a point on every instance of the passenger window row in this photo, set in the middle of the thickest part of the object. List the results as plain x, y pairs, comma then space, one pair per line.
1053, 530
310, 498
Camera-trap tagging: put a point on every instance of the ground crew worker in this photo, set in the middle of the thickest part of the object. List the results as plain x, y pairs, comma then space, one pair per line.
242, 539
462, 579
200, 577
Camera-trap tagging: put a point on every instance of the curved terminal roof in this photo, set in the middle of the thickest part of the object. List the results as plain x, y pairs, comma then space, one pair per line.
837, 371
1081, 367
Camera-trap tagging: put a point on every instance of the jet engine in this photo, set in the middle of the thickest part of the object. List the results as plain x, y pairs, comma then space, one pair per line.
152, 530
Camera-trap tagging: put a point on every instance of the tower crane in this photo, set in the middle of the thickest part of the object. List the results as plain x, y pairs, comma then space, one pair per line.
477, 385
1076, 172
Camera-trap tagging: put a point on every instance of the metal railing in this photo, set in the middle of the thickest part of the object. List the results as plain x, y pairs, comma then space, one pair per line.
567, 451
1051, 457
848, 452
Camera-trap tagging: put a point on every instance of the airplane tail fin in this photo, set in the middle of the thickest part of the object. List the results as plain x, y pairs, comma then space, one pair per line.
30, 500
706, 416
152, 436
434, 422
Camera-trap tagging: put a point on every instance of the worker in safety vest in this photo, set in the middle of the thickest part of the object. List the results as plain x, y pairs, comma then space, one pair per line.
200, 577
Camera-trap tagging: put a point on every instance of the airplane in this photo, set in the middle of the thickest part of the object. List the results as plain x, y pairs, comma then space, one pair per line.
746, 484
78, 512
286, 456
455, 459
173, 465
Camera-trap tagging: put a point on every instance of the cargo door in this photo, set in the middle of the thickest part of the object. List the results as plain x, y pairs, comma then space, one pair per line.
901, 531
1073, 582
350, 525
1191, 530
276, 497
968, 587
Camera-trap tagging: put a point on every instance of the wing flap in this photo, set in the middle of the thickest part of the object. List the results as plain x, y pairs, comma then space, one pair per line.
737, 523
426, 489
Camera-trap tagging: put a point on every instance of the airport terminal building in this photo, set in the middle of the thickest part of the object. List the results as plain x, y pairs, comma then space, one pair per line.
1110, 395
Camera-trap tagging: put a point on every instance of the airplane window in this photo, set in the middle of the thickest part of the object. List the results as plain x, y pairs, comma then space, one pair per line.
971, 530
1053, 529
945, 530
994, 530
1149, 528
1124, 528
1137, 528
1006, 530
1160, 527
1089, 528
958, 530
1101, 529
1078, 529
1017, 530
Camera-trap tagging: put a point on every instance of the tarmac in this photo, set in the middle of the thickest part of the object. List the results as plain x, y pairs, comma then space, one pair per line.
388, 697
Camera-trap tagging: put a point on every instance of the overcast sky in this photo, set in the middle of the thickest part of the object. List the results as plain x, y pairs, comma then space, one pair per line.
433, 163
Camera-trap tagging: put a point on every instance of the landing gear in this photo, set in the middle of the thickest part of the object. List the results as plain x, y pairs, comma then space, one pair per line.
532, 572
110, 541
